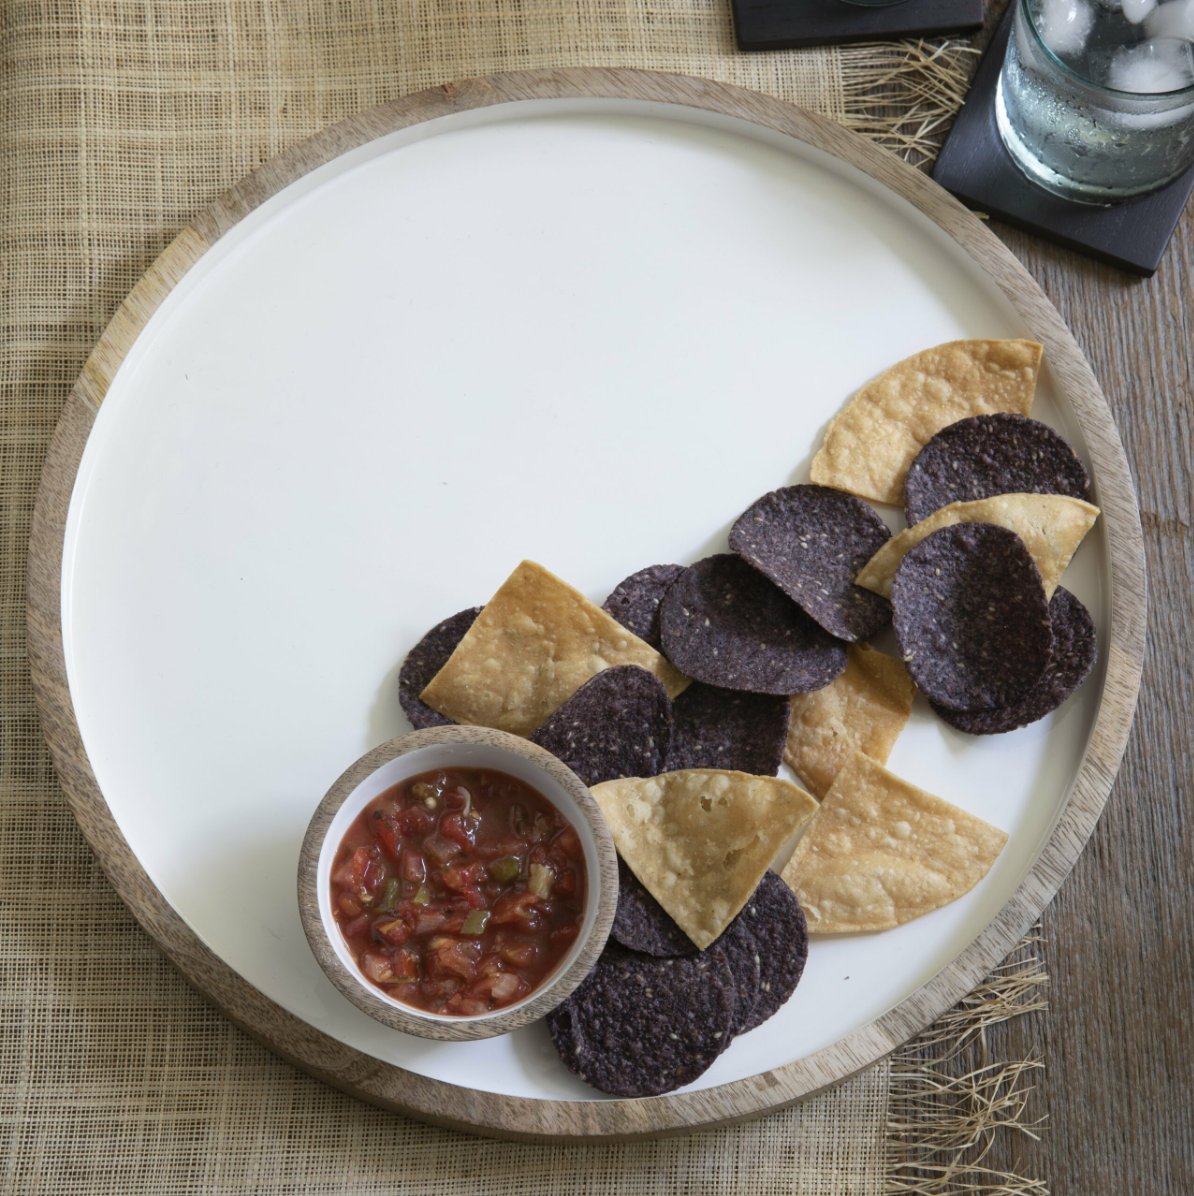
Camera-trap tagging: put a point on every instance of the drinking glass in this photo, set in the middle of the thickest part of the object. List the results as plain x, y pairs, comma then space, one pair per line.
1096, 97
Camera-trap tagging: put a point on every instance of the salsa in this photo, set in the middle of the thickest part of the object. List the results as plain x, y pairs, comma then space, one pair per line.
458, 891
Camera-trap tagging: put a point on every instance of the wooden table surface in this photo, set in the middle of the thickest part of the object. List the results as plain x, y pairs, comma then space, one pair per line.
1118, 1038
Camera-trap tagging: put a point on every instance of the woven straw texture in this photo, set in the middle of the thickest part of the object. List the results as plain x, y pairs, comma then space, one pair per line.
119, 120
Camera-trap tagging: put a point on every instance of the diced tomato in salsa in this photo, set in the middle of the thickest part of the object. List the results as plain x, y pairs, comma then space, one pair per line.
459, 891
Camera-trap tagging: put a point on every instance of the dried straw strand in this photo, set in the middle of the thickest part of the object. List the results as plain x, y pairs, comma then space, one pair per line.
949, 1099
905, 94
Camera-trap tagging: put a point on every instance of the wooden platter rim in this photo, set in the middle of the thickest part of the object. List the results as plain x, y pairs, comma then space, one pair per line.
494, 1114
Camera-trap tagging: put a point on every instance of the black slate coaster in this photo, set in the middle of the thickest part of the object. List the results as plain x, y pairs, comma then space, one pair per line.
784, 24
974, 165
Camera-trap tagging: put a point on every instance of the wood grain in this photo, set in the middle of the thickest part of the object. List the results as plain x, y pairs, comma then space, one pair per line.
461, 1106
602, 887
1118, 1039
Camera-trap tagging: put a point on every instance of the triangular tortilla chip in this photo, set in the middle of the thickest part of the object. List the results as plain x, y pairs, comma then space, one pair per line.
1051, 526
864, 710
881, 852
532, 647
701, 839
872, 441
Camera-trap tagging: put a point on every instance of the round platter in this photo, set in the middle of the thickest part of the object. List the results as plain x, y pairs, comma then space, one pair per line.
580, 316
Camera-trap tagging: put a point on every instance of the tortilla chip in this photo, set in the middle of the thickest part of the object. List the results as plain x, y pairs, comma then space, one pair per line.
881, 852
700, 840
1051, 526
872, 441
531, 648
864, 710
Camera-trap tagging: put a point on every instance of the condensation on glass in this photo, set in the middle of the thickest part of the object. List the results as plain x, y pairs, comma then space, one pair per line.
1096, 97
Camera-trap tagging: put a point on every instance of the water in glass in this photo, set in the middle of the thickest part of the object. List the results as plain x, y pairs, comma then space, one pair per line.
1096, 97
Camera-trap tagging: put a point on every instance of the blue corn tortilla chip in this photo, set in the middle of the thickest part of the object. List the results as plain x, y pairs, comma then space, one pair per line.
742, 954
635, 600
426, 659
722, 622
811, 541
971, 617
777, 928
642, 1026
642, 924
726, 728
765, 946
1075, 651
618, 724
988, 455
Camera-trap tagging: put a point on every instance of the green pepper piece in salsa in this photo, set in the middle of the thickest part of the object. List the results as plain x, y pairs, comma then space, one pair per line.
475, 922
506, 869
390, 895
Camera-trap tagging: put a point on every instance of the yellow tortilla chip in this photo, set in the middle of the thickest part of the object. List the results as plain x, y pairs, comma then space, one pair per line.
881, 852
532, 647
864, 710
1051, 526
701, 839
872, 441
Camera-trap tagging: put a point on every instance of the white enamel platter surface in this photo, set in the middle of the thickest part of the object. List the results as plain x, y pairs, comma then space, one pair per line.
585, 331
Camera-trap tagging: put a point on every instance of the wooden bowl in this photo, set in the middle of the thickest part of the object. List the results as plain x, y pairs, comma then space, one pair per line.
448, 747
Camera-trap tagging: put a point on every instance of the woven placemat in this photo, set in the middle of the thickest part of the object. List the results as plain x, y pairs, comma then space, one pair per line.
119, 120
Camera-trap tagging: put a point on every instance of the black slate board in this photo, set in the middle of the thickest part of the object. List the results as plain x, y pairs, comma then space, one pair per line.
784, 24
975, 167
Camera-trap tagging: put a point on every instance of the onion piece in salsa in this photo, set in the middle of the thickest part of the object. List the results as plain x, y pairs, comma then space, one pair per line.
459, 891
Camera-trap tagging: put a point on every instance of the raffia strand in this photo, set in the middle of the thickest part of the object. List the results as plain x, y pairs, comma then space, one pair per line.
950, 1099
905, 94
